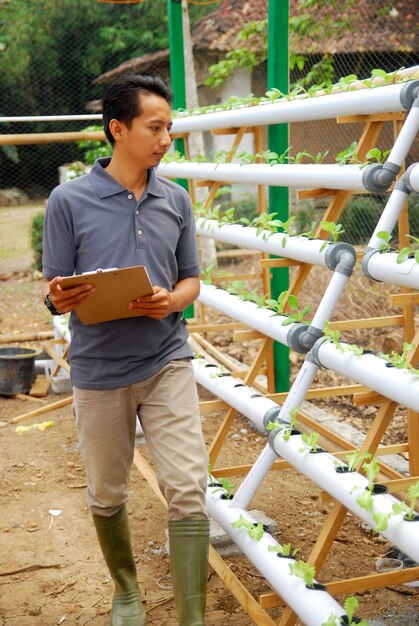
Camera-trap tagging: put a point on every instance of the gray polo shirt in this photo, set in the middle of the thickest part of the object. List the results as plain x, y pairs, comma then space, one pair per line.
92, 222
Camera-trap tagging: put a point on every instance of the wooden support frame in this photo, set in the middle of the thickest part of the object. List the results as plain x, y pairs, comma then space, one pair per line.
396, 483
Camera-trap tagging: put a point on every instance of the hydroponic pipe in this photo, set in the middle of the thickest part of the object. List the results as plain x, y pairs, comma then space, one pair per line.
369, 370
390, 214
385, 268
313, 606
313, 251
233, 391
349, 177
412, 177
386, 99
264, 462
263, 320
320, 467
346, 489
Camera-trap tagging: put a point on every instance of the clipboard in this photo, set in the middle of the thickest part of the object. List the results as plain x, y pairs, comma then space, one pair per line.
115, 288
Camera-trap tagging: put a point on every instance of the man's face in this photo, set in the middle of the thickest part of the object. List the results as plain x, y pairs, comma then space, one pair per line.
148, 139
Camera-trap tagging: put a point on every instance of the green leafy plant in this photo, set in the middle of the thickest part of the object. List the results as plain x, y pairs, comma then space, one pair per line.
310, 440
284, 549
284, 427
408, 252
350, 606
333, 335
288, 299
267, 224
303, 570
400, 360
334, 230
381, 521
254, 531
37, 226
408, 510
226, 487
207, 273
385, 237
348, 155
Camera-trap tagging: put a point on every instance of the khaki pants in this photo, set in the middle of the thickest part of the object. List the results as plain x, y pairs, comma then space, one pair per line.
167, 406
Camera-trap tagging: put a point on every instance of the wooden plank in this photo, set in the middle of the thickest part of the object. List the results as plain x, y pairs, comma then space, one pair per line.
40, 387
352, 585
212, 405
369, 322
305, 194
322, 392
266, 263
403, 299
371, 397
20, 337
45, 409
244, 335
373, 117
245, 599
41, 138
227, 254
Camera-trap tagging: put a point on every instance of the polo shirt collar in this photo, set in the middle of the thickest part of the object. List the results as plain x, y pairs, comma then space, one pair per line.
106, 186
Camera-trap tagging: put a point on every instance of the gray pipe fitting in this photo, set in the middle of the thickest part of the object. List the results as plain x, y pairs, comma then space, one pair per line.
338, 253
294, 337
271, 415
314, 352
405, 179
377, 178
369, 252
409, 93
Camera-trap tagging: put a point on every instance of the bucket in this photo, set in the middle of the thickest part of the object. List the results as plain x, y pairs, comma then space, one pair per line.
17, 369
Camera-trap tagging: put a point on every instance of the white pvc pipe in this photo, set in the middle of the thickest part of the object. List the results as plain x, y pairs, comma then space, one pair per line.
369, 370
61, 328
318, 467
51, 118
384, 99
405, 138
280, 244
389, 217
331, 176
414, 178
384, 268
231, 390
331, 297
264, 462
312, 606
263, 320
321, 468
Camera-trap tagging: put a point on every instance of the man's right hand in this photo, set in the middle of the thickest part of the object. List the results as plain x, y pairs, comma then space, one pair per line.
65, 300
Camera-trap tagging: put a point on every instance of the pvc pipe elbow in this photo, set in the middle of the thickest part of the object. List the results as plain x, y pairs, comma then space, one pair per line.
377, 178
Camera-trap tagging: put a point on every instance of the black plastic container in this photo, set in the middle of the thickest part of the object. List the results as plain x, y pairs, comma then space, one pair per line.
17, 369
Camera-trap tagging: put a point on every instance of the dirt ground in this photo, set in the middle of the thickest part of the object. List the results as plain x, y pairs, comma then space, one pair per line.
51, 569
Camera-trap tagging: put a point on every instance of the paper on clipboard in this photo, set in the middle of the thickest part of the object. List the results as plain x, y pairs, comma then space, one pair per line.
114, 289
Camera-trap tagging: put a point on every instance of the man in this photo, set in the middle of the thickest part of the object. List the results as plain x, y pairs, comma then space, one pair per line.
119, 215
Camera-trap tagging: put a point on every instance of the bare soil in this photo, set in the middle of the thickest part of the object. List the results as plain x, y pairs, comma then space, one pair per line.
51, 569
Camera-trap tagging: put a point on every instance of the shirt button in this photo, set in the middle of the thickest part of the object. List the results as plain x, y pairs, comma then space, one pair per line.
139, 231
137, 213
130, 196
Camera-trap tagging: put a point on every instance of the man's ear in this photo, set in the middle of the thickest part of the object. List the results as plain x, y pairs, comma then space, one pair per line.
116, 129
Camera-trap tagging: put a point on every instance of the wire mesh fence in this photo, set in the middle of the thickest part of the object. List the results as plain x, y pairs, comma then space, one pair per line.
62, 49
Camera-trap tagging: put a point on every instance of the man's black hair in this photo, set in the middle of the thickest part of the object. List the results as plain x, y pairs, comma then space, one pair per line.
121, 102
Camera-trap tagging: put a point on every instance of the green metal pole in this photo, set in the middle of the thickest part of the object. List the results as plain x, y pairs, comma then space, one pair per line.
177, 79
278, 76
177, 65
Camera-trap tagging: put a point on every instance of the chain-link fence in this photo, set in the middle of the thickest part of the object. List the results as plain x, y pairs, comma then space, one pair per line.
60, 49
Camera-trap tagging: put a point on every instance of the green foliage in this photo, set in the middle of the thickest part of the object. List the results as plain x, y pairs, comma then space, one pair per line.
408, 510
284, 549
92, 150
255, 531
305, 571
36, 239
310, 440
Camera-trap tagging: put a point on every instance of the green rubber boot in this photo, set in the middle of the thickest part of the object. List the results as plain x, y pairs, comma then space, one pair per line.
188, 541
114, 539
